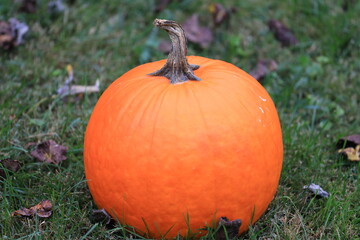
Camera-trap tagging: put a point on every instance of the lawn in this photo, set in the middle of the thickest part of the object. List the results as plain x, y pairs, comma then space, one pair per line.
315, 87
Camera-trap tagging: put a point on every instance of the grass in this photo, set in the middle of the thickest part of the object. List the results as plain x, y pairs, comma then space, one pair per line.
315, 88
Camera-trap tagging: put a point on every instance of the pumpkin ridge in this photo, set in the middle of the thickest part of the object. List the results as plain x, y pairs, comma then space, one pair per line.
115, 90
229, 102
162, 95
150, 95
213, 180
139, 92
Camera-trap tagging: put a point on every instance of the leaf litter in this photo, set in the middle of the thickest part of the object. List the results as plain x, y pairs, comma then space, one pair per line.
262, 68
9, 164
50, 152
100, 215
219, 13
282, 33
42, 209
317, 190
349, 146
228, 229
12, 33
69, 89
196, 33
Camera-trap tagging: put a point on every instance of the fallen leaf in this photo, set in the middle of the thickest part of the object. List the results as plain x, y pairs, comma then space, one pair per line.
165, 46
348, 141
23, 212
262, 68
161, 5
50, 152
220, 13
6, 37
196, 33
352, 154
9, 164
55, 7
317, 190
43, 209
68, 89
100, 216
12, 33
18, 30
349, 146
282, 33
28, 6
232, 228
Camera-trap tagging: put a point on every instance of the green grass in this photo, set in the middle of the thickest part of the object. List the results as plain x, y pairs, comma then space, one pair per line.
316, 89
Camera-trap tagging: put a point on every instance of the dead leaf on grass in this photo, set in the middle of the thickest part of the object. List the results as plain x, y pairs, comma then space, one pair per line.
352, 154
43, 209
100, 215
283, 34
348, 141
196, 33
69, 89
317, 190
27, 6
220, 13
9, 164
50, 152
349, 146
228, 229
262, 68
12, 33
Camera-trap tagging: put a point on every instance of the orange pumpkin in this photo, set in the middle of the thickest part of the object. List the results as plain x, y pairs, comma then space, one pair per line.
168, 158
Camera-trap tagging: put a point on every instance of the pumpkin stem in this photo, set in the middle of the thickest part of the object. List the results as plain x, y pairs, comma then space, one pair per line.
177, 69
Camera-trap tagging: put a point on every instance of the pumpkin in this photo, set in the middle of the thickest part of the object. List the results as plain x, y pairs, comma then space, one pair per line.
172, 151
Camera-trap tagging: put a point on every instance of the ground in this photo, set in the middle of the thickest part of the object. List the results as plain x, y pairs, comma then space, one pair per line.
315, 88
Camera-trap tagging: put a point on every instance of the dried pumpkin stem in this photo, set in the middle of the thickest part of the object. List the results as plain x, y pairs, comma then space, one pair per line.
177, 69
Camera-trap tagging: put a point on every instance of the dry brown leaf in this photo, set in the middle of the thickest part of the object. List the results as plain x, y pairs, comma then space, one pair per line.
220, 13
348, 141
6, 37
9, 164
50, 152
262, 68
352, 154
282, 33
43, 209
28, 6
232, 228
100, 215
12, 33
349, 146
196, 33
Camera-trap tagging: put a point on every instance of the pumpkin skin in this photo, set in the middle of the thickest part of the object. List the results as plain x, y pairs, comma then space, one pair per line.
156, 152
